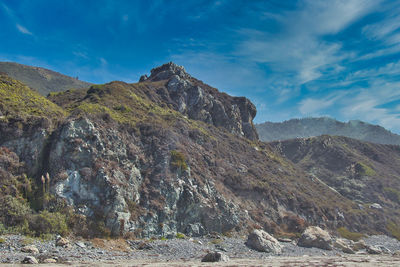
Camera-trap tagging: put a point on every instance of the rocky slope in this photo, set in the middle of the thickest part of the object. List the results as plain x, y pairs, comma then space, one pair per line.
168, 154
308, 127
364, 172
41, 79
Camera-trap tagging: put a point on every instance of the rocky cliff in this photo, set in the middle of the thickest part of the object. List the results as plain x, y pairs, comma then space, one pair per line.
168, 154
201, 102
308, 127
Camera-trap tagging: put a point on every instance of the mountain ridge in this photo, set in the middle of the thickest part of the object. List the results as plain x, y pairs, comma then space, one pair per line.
43, 80
308, 127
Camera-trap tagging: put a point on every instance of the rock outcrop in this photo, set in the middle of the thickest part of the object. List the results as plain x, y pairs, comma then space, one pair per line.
263, 242
314, 236
199, 101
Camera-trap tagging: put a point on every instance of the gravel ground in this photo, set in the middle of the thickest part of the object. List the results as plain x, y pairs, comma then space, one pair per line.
169, 251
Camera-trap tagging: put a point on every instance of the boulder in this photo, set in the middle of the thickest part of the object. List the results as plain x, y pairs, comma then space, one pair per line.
314, 236
376, 206
61, 241
50, 260
215, 257
360, 244
30, 249
343, 245
374, 250
261, 241
30, 260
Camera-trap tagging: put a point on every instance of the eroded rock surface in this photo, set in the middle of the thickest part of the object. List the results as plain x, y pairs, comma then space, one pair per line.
314, 236
201, 102
263, 242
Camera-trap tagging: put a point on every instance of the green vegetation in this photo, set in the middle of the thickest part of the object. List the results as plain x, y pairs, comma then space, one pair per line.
364, 170
16, 99
48, 223
345, 233
178, 160
394, 229
180, 236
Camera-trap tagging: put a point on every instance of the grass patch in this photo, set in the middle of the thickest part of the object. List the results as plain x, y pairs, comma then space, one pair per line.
394, 229
364, 170
180, 236
345, 233
18, 99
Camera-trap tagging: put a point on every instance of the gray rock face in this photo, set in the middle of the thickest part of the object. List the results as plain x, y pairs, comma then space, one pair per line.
201, 102
263, 242
166, 71
100, 169
215, 257
314, 236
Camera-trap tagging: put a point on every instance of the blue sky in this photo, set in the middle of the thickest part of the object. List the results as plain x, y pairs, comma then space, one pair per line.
290, 58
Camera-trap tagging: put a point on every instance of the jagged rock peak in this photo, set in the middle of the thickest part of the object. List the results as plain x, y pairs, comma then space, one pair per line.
165, 72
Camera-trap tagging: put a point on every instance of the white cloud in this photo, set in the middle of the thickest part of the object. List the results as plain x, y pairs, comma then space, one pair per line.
316, 106
300, 49
23, 30
367, 104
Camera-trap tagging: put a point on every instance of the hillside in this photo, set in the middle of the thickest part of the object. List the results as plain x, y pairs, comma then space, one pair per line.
308, 127
363, 172
170, 154
41, 79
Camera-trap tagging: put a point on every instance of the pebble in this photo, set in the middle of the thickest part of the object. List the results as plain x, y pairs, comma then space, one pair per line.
170, 250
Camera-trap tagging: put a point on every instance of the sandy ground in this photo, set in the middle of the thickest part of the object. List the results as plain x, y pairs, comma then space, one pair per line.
274, 261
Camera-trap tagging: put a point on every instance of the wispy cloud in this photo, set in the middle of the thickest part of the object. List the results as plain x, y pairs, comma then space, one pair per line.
23, 30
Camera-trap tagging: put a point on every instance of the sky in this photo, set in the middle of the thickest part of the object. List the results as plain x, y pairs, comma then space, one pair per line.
292, 59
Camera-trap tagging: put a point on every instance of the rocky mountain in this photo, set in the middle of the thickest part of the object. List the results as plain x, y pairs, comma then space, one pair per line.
364, 172
308, 127
41, 79
165, 155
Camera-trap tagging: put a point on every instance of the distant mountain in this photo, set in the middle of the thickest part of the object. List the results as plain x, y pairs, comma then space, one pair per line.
40, 79
309, 127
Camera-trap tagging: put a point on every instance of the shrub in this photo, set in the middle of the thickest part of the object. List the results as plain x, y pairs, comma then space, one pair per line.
345, 233
13, 211
178, 160
48, 223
